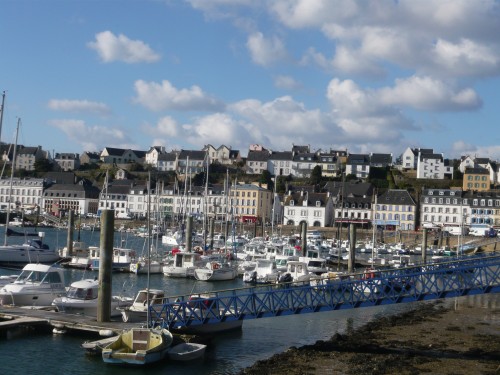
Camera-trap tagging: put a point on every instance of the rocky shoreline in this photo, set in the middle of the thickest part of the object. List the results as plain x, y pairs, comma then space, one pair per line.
461, 336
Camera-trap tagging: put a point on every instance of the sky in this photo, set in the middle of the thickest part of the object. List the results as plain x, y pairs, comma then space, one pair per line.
362, 76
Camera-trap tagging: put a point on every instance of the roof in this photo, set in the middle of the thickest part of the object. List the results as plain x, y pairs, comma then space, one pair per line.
431, 156
381, 158
281, 155
192, 154
396, 197
477, 170
258, 155
358, 159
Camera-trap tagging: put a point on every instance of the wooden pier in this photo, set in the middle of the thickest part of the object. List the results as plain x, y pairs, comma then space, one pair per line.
12, 318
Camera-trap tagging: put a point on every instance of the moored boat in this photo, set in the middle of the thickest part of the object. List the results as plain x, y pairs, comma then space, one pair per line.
37, 285
138, 346
186, 351
82, 298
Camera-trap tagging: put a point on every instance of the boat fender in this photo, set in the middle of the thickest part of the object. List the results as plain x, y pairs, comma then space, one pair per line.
106, 333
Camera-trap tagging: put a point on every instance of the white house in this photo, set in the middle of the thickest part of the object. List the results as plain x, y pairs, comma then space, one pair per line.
433, 166
316, 209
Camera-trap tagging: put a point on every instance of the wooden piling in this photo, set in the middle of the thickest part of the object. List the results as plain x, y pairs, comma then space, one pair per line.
69, 242
352, 248
105, 265
424, 245
189, 233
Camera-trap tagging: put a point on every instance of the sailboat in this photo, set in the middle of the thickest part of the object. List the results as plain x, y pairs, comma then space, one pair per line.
33, 250
140, 346
151, 262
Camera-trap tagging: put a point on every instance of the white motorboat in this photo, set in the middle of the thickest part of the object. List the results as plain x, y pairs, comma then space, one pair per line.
144, 265
216, 271
183, 265
37, 285
82, 298
296, 271
186, 351
122, 258
33, 250
265, 272
137, 311
80, 256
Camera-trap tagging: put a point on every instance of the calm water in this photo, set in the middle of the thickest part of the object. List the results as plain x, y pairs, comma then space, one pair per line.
227, 354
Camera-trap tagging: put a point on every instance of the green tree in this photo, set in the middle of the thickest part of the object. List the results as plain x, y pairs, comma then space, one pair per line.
43, 165
266, 178
316, 175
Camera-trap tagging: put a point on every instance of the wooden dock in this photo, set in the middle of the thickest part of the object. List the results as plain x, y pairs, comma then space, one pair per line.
12, 317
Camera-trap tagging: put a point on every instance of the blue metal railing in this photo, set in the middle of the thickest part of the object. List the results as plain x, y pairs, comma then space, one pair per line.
458, 277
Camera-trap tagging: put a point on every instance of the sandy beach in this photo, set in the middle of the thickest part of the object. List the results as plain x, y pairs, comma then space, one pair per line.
456, 336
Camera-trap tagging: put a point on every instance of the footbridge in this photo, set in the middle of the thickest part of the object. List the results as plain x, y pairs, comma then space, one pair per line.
467, 275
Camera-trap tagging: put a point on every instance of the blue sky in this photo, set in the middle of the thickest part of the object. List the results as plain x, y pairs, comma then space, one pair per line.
366, 76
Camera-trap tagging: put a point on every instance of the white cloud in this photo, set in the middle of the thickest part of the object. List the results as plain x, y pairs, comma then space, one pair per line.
166, 126
286, 82
120, 48
265, 51
93, 138
78, 106
219, 128
466, 58
426, 93
164, 96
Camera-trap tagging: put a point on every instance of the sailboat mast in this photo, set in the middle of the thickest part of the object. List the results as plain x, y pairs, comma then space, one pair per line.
1, 114
12, 169
149, 243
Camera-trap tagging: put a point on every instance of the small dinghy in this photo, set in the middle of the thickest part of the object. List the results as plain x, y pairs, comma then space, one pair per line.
186, 351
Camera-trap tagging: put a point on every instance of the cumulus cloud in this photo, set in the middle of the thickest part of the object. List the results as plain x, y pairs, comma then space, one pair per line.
426, 93
78, 106
286, 82
265, 51
93, 138
166, 126
219, 128
111, 47
164, 96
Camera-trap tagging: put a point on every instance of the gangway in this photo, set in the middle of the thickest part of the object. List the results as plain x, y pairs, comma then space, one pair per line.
468, 275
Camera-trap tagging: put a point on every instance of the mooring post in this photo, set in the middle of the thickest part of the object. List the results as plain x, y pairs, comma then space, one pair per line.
303, 237
189, 233
352, 248
105, 265
69, 243
424, 245
211, 225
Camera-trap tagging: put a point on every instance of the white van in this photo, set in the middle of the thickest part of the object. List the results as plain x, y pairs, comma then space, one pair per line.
456, 230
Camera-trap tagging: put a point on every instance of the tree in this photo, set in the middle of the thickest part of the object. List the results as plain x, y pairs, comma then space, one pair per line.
316, 175
42, 165
266, 178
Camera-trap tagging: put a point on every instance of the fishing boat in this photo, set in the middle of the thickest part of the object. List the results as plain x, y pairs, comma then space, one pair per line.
138, 346
183, 265
186, 351
80, 256
264, 272
82, 298
216, 271
137, 311
37, 285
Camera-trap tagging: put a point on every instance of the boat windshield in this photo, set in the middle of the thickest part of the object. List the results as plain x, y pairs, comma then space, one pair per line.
81, 293
30, 276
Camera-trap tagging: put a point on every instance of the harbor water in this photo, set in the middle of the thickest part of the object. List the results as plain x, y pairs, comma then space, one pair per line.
228, 353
